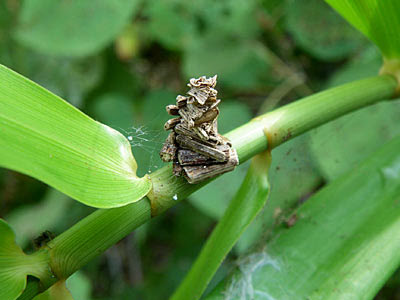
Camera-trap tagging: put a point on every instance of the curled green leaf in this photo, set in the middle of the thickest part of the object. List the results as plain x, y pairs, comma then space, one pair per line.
45, 137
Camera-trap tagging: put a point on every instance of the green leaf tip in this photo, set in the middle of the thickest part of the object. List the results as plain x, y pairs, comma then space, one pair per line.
377, 19
43, 136
15, 265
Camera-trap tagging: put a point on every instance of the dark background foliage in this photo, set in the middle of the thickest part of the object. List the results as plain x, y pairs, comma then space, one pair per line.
123, 61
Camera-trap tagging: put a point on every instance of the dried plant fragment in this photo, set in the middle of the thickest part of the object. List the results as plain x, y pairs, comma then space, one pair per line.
188, 143
172, 110
171, 123
188, 157
195, 147
196, 174
169, 148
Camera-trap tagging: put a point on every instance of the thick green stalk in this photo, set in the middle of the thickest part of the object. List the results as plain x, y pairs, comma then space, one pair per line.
93, 235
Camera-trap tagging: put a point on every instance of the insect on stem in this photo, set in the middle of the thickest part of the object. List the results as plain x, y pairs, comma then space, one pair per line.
194, 145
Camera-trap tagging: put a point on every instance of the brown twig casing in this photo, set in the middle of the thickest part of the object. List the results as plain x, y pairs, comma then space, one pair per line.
194, 145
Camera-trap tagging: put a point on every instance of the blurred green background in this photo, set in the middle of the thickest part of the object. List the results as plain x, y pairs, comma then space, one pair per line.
123, 61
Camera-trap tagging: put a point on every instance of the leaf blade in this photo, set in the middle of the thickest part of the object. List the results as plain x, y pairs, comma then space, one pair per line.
43, 136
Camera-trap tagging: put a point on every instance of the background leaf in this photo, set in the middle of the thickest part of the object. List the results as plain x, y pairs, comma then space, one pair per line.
45, 137
70, 78
228, 25
51, 73
72, 28
337, 242
166, 23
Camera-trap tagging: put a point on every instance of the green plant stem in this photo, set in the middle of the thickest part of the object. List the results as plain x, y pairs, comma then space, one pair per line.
93, 235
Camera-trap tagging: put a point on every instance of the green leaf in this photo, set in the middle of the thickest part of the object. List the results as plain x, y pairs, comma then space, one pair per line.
47, 138
320, 30
15, 265
72, 28
243, 208
344, 245
376, 19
